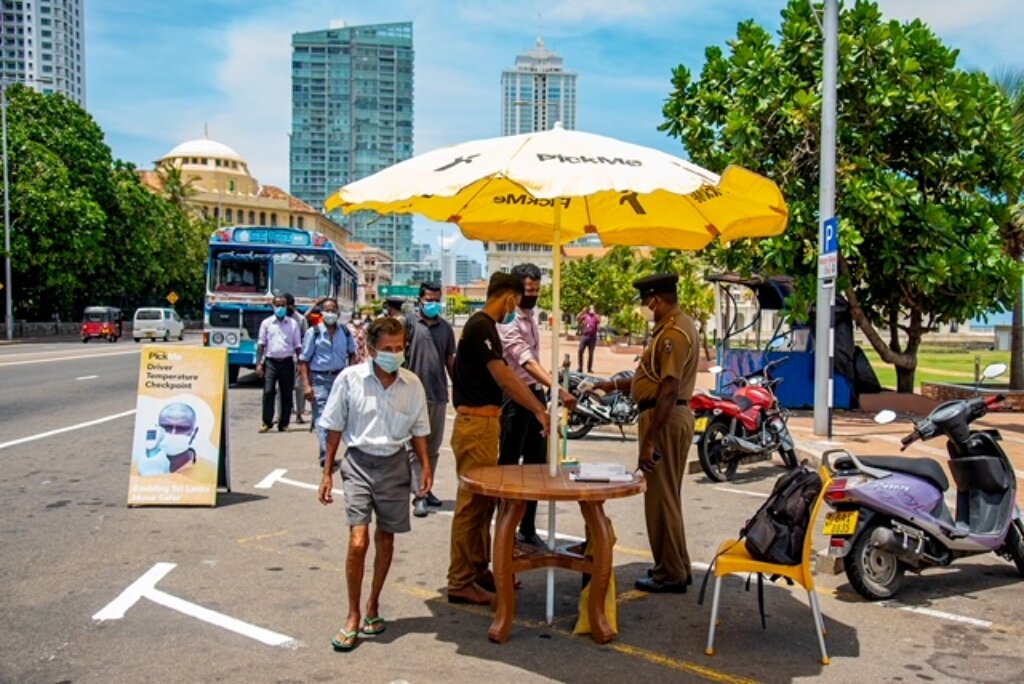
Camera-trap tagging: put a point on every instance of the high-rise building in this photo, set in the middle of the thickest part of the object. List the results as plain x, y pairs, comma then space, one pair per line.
535, 95
42, 44
467, 270
352, 115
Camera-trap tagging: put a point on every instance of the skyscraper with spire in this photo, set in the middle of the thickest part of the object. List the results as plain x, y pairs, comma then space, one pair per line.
535, 95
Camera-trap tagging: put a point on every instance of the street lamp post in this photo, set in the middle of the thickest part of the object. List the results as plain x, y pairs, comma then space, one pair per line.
9, 317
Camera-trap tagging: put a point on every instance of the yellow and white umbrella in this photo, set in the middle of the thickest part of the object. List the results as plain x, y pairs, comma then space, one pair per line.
555, 186
507, 189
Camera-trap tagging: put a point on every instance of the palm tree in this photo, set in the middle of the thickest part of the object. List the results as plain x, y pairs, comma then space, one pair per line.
177, 190
1011, 82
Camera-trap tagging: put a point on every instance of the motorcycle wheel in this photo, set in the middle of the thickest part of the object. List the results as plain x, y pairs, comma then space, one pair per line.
875, 574
1013, 549
578, 426
709, 451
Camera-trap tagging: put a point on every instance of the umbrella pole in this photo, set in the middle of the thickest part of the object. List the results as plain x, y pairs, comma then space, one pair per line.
556, 322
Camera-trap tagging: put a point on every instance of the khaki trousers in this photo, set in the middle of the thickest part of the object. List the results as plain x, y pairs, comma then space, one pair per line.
663, 504
475, 443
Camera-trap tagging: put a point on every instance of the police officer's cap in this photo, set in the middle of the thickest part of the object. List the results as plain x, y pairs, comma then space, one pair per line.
395, 302
659, 283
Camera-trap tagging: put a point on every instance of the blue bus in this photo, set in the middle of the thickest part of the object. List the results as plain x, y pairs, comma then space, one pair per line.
248, 265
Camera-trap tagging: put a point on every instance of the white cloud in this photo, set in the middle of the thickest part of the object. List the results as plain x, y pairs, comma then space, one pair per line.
951, 15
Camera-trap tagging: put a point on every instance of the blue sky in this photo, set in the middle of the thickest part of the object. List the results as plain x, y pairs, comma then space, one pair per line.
158, 71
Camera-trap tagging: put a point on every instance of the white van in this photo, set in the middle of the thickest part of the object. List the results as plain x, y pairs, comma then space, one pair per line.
157, 324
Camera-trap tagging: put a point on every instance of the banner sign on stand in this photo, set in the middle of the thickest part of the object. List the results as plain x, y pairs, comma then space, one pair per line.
180, 446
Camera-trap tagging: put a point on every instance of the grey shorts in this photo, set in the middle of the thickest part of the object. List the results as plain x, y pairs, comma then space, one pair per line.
377, 485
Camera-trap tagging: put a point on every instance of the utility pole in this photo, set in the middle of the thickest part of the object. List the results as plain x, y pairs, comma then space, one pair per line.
9, 317
828, 241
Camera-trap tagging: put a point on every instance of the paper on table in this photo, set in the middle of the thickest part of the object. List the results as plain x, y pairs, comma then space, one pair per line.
602, 472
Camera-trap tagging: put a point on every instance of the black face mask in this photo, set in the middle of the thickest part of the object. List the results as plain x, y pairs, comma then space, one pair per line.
527, 302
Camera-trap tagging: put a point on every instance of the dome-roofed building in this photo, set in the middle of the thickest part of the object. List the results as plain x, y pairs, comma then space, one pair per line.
223, 188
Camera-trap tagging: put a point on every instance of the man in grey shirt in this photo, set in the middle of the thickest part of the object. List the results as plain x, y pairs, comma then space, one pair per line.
430, 353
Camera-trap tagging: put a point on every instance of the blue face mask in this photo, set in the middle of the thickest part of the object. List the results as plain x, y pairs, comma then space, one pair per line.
280, 311
389, 362
510, 318
432, 309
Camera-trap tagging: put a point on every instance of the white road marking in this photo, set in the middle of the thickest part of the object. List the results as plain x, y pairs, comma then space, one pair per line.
87, 377
744, 492
51, 433
145, 587
68, 358
278, 476
942, 615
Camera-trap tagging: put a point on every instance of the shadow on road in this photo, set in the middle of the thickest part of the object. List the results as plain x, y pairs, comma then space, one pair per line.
232, 498
661, 637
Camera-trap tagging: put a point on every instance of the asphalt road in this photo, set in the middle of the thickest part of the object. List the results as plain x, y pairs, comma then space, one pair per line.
273, 558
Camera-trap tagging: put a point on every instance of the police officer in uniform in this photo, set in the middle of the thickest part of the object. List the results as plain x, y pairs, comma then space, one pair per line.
662, 387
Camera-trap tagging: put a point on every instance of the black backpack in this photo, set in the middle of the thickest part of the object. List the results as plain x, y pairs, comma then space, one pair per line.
776, 532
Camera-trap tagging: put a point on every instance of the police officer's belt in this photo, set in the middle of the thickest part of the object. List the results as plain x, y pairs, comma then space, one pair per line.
648, 404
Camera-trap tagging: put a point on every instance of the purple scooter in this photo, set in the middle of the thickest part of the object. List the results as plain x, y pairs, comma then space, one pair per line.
890, 515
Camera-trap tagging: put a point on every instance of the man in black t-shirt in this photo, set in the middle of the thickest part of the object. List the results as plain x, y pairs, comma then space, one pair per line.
481, 378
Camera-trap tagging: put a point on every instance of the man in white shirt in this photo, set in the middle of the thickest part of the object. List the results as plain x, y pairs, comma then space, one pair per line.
375, 408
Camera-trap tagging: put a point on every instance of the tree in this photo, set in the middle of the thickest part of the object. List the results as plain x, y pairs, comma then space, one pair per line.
607, 283
923, 160
1011, 83
178, 190
84, 228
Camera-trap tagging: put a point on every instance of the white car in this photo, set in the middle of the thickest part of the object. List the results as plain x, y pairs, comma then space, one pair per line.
157, 324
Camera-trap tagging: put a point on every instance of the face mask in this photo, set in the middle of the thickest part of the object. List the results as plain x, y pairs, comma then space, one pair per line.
647, 314
389, 362
280, 311
528, 302
291, 310
432, 309
330, 317
178, 444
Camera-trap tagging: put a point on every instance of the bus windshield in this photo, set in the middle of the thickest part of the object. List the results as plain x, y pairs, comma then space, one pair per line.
241, 272
302, 274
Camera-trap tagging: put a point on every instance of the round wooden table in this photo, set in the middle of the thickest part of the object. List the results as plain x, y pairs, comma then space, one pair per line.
515, 485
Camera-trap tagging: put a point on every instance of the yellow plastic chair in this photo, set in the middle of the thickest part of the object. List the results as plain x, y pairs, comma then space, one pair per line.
733, 558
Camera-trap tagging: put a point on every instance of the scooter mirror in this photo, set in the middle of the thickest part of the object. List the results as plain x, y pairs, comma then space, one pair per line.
885, 417
715, 370
993, 370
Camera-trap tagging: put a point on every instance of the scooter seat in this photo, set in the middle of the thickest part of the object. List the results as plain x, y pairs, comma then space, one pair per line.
925, 468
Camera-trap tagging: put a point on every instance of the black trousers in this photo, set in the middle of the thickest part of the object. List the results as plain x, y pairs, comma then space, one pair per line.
278, 373
587, 343
521, 441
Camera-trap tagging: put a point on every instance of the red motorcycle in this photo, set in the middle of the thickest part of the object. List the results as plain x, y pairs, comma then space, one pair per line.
747, 423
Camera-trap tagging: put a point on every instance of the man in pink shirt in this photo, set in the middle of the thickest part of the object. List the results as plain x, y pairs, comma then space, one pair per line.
521, 438
589, 322
278, 343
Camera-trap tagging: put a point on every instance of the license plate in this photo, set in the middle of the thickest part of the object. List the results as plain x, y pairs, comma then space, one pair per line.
700, 424
842, 523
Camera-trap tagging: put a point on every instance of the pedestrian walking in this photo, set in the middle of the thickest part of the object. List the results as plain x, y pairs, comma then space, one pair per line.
375, 408
522, 440
481, 377
589, 322
277, 344
430, 354
327, 349
662, 387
